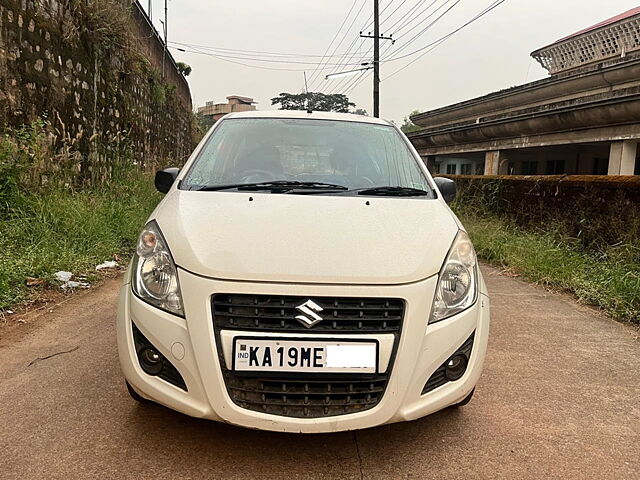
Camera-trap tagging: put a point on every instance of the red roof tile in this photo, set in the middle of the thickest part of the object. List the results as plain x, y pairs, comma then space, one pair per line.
617, 18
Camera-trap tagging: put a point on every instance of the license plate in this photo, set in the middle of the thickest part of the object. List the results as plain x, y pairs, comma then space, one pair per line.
328, 356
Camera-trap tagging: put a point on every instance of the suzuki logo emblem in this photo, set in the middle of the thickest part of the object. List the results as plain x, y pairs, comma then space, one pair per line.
310, 317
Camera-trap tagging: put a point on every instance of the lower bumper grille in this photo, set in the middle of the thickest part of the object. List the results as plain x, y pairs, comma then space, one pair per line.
306, 398
439, 377
168, 373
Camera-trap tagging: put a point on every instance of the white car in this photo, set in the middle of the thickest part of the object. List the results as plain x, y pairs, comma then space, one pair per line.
303, 274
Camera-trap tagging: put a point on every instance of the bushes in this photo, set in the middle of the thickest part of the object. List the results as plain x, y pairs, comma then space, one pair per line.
598, 211
580, 234
49, 226
610, 281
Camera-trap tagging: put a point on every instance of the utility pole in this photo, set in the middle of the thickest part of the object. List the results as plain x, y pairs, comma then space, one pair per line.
150, 10
164, 52
376, 56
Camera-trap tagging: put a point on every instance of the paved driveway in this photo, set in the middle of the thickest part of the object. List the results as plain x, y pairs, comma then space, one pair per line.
559, 398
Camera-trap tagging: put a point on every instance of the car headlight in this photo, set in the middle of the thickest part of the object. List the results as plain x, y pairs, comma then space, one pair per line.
458, 280
155, 278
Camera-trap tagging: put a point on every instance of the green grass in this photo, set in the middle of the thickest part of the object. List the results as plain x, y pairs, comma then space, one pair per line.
59, 229
609, 279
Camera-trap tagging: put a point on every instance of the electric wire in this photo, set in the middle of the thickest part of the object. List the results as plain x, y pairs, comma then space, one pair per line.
488, 9
315, 72
428, 26
435, 44
264, 60
252, 53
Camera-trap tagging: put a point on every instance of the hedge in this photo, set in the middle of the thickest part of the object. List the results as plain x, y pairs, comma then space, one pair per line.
599, 211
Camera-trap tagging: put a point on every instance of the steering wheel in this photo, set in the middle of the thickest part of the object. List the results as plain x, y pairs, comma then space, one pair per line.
263, 176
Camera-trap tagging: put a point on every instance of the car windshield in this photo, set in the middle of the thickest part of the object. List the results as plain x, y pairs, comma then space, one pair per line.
350, 154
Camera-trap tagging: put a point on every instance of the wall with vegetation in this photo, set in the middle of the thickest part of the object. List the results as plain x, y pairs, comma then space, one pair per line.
599, 211
575, 233
92, 69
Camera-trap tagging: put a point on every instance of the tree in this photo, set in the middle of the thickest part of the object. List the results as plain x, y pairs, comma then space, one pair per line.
360, 111
313, 100
408, 126
183, 68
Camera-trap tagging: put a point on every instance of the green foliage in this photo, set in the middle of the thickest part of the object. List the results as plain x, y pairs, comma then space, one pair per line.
107, 26
158, 93
408, 126
184, 68
595, 211
360, 111
313, 100
20, 149
58, 229
54, 226
608, 278
205, 122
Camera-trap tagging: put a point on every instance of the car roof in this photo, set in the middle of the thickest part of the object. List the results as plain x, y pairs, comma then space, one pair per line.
345, 117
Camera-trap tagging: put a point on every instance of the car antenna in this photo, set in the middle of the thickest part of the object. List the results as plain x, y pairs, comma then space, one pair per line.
306, 87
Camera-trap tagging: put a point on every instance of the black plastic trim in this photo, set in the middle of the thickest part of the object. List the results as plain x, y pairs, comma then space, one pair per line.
169, 372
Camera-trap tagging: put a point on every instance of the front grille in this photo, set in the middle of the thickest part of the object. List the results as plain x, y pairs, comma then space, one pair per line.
312, 395
277, 313
439, 377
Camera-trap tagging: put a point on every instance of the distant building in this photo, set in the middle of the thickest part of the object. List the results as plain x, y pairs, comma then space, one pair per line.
215, 111
583, 119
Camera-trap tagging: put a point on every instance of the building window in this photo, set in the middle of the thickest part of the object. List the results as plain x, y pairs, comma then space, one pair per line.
465, 169
479, 168
600, 166
452, 169
555, 167
530, 168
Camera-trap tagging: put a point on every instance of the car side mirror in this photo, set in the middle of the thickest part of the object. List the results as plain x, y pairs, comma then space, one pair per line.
447, 188
165, 178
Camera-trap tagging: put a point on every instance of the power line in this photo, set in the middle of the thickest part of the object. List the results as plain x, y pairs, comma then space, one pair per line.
351, 56
409, 21
421, 32
253, 52
433, 45
407, 15
269, 60
314, 74
368, 24
392, 13
240, 63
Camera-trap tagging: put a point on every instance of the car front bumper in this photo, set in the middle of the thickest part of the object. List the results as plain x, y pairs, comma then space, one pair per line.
189, 344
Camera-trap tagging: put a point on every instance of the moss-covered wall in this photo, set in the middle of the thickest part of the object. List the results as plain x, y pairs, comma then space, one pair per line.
92, 68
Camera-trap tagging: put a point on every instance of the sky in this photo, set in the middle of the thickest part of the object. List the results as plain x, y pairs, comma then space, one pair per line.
490, 54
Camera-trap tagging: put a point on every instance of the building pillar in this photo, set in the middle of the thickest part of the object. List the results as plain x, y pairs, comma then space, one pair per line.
622, 157
495, 163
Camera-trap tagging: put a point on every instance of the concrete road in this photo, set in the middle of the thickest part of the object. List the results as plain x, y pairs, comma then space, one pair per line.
559, 398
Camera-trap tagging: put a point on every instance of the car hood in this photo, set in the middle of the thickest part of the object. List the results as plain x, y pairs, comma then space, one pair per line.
306, 238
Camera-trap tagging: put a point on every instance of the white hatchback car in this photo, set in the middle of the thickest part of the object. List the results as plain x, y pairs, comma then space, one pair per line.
303, 274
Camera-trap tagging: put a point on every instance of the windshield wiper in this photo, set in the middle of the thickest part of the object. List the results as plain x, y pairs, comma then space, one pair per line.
274, 186
393, 191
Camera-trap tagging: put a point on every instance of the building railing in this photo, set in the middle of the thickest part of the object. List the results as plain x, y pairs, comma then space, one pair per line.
612, 41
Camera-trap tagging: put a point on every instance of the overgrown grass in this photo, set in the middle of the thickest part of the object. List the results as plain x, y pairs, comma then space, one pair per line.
73, 231
54, 225
608, 279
